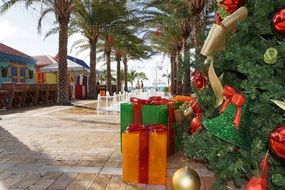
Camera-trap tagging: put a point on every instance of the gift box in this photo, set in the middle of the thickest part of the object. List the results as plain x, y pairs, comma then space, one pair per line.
144, 154
148, 112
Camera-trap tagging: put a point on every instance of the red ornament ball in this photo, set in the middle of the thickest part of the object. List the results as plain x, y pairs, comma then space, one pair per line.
278, 21
198, 80
277, 141
256, 183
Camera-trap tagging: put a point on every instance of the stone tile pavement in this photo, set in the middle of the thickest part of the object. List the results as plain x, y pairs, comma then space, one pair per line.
69, 147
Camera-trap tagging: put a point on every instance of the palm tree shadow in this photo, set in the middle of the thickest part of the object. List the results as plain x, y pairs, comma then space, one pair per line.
20, 167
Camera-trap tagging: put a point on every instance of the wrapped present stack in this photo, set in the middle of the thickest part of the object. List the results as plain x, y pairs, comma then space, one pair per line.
149, 133
144, 154
155, 110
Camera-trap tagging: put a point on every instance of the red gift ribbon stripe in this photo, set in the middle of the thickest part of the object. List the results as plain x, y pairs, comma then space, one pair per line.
143, 156
170, 130
155, 100
144, 130
137, 113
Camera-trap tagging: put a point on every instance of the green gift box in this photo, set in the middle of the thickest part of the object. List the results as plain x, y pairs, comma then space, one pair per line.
150, 114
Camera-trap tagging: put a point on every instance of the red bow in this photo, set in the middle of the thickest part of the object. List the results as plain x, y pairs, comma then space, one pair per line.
154, 100
146, 128
236, 99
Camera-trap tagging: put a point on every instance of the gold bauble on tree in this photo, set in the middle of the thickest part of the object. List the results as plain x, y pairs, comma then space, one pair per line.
186, 179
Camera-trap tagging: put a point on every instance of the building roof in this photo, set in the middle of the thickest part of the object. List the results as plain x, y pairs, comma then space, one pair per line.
44, 60
4, 49
78, 61
71, 66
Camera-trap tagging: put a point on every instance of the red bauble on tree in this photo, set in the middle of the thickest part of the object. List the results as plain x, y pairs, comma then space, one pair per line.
278, 21
256, 183
198, 80
277, 141
259, 183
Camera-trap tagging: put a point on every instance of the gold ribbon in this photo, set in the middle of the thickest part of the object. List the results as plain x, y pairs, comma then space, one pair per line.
279, 103
215, 41
215, 83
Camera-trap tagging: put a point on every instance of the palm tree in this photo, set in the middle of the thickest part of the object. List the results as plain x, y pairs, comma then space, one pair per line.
175, 15
62, 11
125, 46
95, 19
133, 75
102, 76
197, 7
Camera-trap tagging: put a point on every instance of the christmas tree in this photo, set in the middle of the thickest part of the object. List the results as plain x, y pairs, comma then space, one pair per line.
253, 64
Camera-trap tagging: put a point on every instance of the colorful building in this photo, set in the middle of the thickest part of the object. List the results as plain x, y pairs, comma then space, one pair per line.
75, 67
16, 66
43, 61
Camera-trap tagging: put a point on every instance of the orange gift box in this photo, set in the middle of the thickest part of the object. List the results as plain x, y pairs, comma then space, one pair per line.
144, 154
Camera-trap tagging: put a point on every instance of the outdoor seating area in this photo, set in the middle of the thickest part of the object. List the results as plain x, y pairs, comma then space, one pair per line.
18, 95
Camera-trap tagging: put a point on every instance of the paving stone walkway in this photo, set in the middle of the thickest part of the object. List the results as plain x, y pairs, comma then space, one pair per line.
69, 147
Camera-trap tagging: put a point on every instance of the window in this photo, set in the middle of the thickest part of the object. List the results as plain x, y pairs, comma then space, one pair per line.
31, 74
4, 72
19, 72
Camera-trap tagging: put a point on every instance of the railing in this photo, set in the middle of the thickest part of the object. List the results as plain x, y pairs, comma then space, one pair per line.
18, 95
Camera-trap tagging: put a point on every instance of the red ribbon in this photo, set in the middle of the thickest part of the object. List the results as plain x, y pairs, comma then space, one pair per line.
137, 113
170, 130
154, 100
236, 99
137, 106
144, 132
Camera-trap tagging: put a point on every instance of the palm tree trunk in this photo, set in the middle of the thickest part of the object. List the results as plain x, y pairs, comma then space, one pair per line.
187, 71
63, 83
118, 89
172, 73
92, 78
108, 76
125, 61
197, 32
175, 64
178, 80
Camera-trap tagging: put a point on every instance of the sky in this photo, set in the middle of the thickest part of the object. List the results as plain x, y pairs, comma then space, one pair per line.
18, 29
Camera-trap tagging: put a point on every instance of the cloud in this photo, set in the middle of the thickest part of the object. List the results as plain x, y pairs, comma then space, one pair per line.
8, 30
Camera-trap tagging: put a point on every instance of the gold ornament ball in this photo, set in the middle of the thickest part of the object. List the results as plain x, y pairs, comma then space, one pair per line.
186, 179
